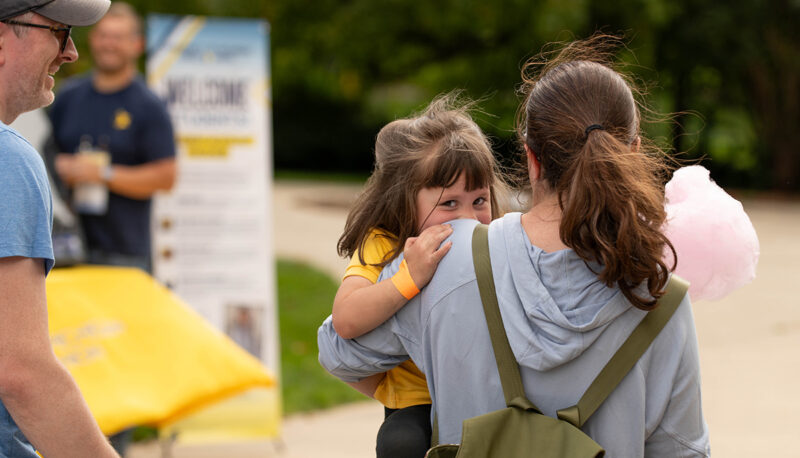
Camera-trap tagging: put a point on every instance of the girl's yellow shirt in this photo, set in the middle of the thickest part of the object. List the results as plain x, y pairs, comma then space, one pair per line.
405, 385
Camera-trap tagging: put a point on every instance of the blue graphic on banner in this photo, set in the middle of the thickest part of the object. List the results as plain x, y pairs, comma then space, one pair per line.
226, 52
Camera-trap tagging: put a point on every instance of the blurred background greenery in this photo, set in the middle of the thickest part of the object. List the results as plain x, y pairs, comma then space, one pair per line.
343, 68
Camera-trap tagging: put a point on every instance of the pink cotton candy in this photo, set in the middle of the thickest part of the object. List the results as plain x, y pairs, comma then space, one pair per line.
716, 243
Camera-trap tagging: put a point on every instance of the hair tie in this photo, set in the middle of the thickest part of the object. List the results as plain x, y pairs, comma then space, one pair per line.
591, 128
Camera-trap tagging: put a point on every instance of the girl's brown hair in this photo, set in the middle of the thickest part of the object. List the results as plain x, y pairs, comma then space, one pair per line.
610, 188
430, 150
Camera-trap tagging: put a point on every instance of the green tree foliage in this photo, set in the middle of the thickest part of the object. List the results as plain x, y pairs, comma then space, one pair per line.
342, 69
738, 64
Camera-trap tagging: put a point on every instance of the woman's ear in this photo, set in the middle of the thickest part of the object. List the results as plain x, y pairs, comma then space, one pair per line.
534, 166
636, 144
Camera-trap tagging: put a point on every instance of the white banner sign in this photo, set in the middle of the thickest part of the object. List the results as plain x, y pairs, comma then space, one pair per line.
212, 235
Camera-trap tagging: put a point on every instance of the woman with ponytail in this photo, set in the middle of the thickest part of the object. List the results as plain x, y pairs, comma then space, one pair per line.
589, 173
574, 275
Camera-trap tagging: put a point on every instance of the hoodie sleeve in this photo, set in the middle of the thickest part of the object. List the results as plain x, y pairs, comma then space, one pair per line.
353, 359
681, 431
372, 353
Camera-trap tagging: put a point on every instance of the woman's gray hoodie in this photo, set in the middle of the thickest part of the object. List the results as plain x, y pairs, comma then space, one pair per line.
563, 325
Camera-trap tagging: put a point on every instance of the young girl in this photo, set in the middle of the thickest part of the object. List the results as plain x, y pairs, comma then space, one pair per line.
429, 169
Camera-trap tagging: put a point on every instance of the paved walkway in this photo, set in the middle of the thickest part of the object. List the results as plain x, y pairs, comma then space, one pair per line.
342, 432
748, 342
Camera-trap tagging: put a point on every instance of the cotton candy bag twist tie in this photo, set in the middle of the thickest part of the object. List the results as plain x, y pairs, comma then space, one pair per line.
716, 243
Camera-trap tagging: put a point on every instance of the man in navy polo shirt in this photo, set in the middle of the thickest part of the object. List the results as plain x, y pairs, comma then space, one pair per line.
112, 111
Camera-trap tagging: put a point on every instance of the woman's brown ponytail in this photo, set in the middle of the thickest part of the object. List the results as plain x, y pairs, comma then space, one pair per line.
582, 124
613, 208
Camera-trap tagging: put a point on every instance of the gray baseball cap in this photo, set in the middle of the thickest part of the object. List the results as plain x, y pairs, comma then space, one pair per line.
68, 12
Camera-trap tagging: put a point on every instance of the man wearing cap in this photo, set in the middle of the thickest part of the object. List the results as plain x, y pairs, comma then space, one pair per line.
40, 403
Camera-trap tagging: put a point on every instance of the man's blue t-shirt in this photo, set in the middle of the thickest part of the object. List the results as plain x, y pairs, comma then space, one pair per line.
134, 126
26, 205
26, 221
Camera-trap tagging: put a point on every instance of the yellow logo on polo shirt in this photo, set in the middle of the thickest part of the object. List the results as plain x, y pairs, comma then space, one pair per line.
122, 119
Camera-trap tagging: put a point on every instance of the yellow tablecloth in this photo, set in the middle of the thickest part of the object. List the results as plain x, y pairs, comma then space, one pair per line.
140, 355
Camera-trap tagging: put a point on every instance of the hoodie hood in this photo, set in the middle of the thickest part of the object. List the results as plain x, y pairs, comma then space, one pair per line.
560, 307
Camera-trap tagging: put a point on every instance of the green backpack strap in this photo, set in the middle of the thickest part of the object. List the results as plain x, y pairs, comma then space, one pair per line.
510, 377
628, 354
435, 430
507, 366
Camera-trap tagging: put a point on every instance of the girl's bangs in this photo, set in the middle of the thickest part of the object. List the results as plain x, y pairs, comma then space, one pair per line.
444, 169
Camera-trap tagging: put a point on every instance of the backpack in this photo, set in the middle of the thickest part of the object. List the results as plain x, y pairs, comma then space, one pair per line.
521, 430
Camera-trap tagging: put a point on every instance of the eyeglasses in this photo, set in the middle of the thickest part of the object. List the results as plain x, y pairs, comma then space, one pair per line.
63, 31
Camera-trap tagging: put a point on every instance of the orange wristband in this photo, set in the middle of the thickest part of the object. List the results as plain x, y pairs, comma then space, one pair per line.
404, 283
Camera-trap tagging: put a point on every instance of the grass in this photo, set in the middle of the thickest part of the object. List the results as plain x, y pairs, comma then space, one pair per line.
305, 296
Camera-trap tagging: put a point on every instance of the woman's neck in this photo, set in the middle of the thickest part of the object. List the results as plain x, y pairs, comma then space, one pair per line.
541, 223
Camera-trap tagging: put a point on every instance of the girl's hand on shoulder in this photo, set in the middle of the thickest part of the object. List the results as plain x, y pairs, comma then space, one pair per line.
423, 253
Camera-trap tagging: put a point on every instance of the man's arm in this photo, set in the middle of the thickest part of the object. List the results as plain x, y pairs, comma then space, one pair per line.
35, 388
133, 181
142, 181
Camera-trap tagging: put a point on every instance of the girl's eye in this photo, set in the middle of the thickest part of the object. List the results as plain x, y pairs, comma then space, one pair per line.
448, 203
479, 201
